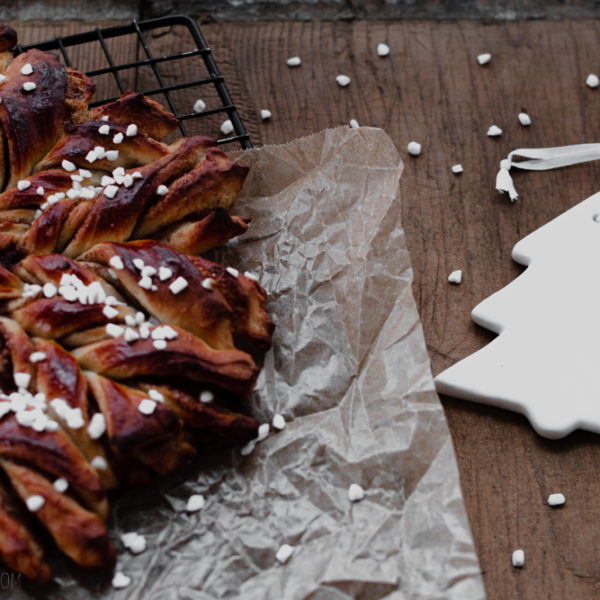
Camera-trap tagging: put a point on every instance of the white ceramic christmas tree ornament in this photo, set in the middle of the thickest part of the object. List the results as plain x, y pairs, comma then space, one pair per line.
545, 362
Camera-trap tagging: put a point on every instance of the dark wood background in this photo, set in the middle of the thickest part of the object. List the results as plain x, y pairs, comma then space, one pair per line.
432, 90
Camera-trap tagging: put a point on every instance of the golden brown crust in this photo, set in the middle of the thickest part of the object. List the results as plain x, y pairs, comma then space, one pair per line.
79, 92
32, 120
78, 140
53, 453
147, 114
187, 358
216, 181
114, 219
79, 533
201, 311
18, 548
197, 237
10, 285
52, 181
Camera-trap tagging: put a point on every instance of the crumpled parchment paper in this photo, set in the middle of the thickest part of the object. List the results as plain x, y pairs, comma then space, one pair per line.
350, 373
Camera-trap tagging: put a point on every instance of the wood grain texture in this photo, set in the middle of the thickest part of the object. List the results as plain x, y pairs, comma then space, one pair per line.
432, 90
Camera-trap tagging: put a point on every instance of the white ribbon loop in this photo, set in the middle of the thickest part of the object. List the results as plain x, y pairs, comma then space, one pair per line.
542, 159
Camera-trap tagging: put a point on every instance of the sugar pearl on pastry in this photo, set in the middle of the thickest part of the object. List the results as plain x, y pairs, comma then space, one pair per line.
110, 312
120, 580
97, 426
195, 503
2, 78
67, 165
160, 344
132, 130
112, 155
145, 282
233, 272
179, 285
140, 317
36, 357
263, 432
26, 69
100, 151
106, 180
35, 502
164, 273
250, 276
208, 283
61, 485
29, 86
118, 138
148, 271
147, 406
110, 191
49, 290
206, 396
162, 190
138, 263
155, 395
116, 263
39, 191
104, 129
131, 335
91, 156
99, 462
23, 184
21, 379
114, 330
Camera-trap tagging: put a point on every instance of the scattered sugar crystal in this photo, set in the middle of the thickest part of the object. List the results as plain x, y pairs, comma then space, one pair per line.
354, 124
104, 129
199, 106
248, 448
132, 130
164, 273
118, 138
414, 148
27, 69
195, 503
131, 335
343, 80
284, 553
265, 114
556, 499
208, 283
518, 558
484, 59
294, 61
110, 191
23, 185
383, 49
112, 155
227, 127
114, 330
162, 190
134, 542
67, 165
39, 191
159, 344
22, 379
233, 272
49, 290
120, 580
355, 493
278, 422
250, 276
455, 276
494, 131
457, 169
156, 395
106, 180
138, 263
524, 119
263, 432
145, 282
29, 86
592, 81
116, 263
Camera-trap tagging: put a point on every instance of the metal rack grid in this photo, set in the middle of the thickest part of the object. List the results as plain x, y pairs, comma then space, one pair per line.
214, 76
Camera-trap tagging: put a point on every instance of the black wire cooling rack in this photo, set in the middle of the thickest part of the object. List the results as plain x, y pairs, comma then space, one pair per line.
150, 73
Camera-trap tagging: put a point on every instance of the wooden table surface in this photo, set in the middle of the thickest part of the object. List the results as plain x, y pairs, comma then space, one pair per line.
432, 90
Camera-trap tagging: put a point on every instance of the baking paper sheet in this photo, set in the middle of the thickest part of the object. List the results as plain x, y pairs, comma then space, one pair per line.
350, 373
